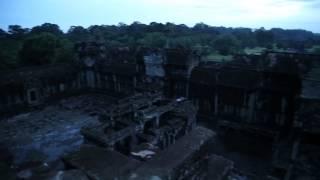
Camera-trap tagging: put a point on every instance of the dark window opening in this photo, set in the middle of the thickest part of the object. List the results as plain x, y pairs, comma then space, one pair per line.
33, 96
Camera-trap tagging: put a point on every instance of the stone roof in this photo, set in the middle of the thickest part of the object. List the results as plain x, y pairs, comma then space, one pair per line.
282, 83
228, 76
119, 68
166, 161
311, 82
219, 167
178, 56
56, 72
239, 78
204, 75
101, 164
310, 89
292, 53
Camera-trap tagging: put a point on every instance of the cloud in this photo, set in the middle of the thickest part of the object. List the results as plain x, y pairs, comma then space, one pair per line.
245, 13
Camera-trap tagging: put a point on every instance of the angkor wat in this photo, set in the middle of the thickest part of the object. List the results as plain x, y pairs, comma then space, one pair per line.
141, 113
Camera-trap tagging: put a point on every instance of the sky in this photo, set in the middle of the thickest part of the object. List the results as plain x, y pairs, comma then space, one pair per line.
287, 14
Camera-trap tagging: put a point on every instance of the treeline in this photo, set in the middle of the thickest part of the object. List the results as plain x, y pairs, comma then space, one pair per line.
47, 43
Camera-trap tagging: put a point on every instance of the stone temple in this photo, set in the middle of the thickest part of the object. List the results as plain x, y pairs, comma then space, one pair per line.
162, 114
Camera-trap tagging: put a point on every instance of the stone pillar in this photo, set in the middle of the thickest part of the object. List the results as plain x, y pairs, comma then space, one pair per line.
114, 78
61, 87
169, 140
98, 80
90, 78
157, 121
295, 149
216, 102
164, 143
110, 147
78, 82
283, 105
134, 81
187, 89
289, 172
173, 139
252, 99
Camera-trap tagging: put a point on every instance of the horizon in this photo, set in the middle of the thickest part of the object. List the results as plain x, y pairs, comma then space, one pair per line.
189, 26
285, 14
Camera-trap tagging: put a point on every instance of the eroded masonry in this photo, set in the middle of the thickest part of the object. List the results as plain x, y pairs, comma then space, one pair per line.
145, 113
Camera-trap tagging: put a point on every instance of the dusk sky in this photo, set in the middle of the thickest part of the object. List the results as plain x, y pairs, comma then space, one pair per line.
288, 14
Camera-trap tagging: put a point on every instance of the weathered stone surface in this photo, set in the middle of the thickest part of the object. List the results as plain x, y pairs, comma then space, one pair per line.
25, 174
5, 155
6, 172
45, 134
69, 175
74, 175
179, 159
218, 167
101, 164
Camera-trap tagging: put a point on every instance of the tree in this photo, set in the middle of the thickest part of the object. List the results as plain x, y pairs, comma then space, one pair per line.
3, 33
44, 48
182, 41
97, 33
169, 28
137, 30
64, 52
47, 28
264, 38
46, 43
136, 27
245, 37
17, 31
156, 27
200, 27
226, 44
10, 44
77, 33
155, 39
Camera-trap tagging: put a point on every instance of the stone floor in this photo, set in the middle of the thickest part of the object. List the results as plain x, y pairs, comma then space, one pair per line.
45, 135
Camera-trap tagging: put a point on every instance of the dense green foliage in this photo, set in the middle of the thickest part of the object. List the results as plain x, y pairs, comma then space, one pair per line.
41, 49
47, 43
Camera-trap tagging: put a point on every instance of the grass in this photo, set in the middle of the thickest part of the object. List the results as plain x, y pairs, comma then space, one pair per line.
255, 50
314, 49
218, 57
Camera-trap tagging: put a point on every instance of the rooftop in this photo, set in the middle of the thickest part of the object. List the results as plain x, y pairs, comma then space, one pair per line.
101, 164
166, 161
